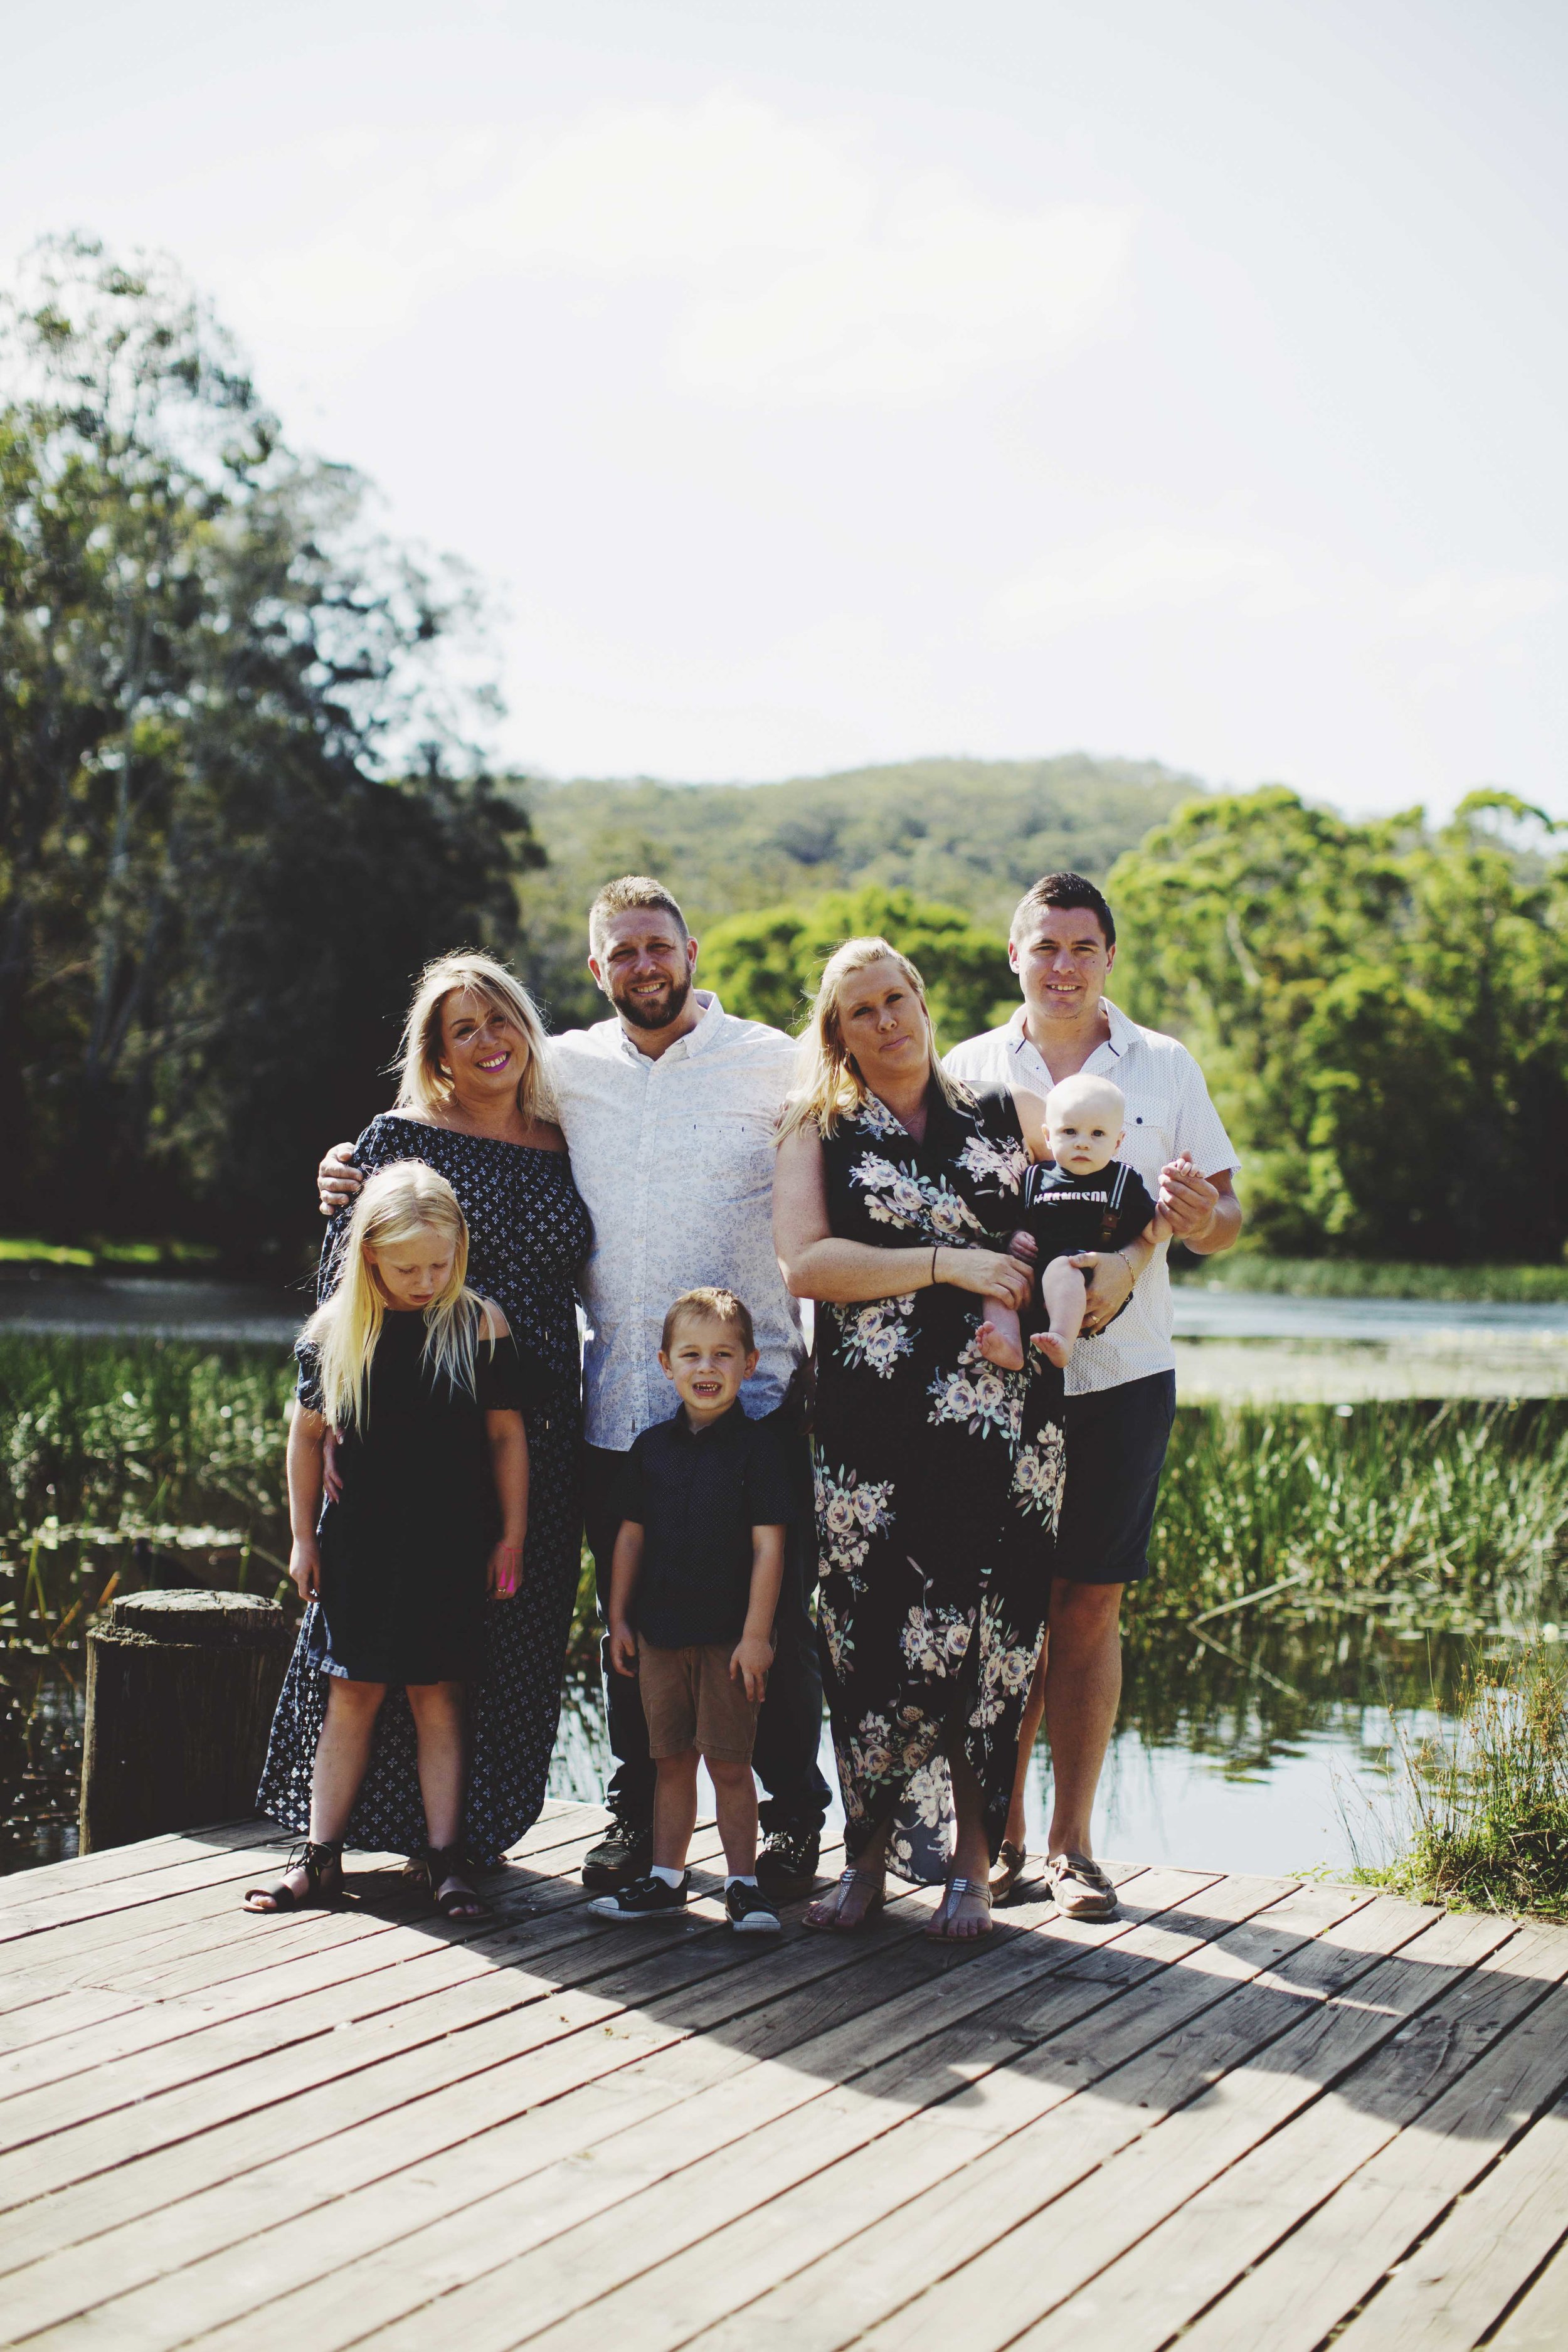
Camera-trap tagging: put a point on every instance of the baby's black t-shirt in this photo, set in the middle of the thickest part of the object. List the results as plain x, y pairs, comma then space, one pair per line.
1067, 1213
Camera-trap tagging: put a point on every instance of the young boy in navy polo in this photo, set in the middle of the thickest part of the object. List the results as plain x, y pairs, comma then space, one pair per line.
694, 1585
1083, 1198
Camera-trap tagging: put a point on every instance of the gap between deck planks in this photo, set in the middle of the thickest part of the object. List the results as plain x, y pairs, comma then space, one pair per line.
543, 2130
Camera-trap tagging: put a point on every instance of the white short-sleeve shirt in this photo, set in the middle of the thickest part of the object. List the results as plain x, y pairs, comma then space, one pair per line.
1168, 1112
674, 1158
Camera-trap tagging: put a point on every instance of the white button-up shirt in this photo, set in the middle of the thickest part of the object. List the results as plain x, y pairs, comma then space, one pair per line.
675, 1159
1168, 1112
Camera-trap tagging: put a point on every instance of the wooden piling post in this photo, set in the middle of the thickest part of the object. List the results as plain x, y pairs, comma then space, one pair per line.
179, 1692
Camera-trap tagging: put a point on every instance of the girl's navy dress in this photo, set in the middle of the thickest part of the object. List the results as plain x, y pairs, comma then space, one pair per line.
528, 1234
404, 1553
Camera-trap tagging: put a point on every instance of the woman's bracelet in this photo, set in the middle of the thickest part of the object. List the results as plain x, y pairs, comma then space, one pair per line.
934, 1247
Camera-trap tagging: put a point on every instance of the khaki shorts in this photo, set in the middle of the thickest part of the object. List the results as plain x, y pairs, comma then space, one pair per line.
690, 1701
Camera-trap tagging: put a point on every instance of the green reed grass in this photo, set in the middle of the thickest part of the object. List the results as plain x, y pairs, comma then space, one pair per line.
1339, 1277
1451, 1518
1447, 1517
1487, 1797
107, 1444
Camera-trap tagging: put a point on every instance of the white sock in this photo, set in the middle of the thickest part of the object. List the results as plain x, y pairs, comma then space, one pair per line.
739, 1879
670, 1877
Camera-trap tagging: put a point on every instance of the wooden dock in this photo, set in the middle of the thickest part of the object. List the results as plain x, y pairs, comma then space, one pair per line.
1243, 2114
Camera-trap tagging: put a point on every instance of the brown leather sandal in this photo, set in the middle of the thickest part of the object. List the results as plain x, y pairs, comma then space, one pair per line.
1007, 1869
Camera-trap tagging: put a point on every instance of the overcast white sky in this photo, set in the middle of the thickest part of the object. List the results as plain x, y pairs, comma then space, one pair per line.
841, 379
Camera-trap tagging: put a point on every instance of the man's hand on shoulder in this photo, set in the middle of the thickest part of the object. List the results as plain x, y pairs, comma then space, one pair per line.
337, 1180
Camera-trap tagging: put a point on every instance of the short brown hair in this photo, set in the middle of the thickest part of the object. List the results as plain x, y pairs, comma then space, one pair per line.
621, 897
1065, 891
715, 1306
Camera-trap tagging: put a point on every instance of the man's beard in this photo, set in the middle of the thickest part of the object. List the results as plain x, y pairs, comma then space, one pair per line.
660, 1013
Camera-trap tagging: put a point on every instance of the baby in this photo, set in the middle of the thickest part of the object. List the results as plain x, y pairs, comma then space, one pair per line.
1084, 1198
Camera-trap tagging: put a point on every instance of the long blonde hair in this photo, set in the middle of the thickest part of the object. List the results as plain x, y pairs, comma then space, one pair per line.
398, 1202
423, 1084
830, 1086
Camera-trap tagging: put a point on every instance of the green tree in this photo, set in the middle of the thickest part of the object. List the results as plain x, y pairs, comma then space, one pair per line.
766, 965
215, 875
1381, 1009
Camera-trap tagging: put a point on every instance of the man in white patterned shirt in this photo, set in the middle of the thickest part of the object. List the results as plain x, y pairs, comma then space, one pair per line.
668, 1112
1121, 1384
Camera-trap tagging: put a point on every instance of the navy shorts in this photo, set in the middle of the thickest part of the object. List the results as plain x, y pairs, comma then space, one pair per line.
1116, 1443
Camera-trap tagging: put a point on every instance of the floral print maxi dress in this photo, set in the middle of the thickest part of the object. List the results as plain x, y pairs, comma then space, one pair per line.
938, 1487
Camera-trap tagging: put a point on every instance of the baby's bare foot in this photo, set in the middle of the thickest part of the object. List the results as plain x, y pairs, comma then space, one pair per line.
996, 1348
1059, 1350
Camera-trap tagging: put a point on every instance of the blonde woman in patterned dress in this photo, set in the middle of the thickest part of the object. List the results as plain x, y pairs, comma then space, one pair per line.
938, 1477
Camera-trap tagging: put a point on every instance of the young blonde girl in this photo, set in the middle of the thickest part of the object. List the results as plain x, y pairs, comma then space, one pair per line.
423, 1385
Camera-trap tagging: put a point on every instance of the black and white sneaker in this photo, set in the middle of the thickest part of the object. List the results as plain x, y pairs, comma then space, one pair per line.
787, 1866
644, 1899
749, 1912
623, 1854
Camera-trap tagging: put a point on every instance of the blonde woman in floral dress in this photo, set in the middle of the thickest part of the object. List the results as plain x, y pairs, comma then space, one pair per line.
938, 1477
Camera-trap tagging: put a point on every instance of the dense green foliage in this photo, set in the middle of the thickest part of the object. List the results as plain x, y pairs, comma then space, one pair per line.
971, 834
212, 884
1382, 1012
767, 965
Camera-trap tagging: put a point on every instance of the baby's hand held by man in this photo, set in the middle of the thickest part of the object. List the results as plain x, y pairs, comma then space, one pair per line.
1186, 1200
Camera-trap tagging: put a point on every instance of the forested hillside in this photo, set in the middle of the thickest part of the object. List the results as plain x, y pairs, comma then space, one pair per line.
963, 832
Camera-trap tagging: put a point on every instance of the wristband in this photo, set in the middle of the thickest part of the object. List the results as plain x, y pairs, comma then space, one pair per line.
934, 1247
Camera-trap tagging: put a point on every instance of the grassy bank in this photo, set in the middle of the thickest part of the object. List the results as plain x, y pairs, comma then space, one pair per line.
1336, 1277
147, 1455
1487, 1798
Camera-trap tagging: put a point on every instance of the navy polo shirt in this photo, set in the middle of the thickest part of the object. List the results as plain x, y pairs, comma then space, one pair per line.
697, 1495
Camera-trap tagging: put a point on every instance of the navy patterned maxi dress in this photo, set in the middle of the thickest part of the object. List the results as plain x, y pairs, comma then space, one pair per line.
938, 1487
529, 1231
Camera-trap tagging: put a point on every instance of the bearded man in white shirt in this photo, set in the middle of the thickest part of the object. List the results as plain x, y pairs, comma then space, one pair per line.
668, 1111
1121, 1384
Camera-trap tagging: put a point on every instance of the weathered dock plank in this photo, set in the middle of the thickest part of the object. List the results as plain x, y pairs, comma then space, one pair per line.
1246, 2111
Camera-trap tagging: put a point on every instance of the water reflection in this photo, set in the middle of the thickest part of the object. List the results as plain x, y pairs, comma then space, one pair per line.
1279, 1759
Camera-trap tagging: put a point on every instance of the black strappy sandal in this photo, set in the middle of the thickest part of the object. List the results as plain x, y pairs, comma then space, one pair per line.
318, 1862
458, 1901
